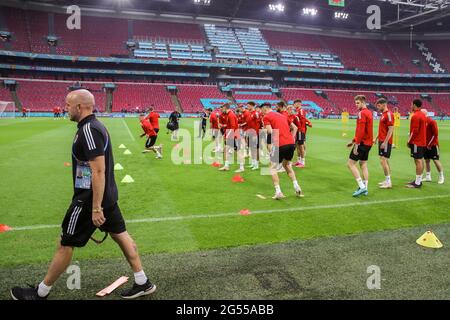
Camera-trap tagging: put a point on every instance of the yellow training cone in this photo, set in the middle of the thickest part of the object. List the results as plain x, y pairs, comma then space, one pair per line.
122, 146
429, 240
127, 152
127, 179
118, 166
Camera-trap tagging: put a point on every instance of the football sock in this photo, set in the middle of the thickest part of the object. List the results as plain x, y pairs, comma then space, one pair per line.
43, 290
296, 186
388, 179
277, 189
360, 183
140, 278
366, 183
418, 179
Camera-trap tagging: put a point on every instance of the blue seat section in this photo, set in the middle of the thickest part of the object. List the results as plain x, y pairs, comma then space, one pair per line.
310, 59
239, 43
176, 51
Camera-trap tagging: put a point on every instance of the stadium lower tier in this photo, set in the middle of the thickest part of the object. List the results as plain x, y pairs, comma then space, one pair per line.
45, 95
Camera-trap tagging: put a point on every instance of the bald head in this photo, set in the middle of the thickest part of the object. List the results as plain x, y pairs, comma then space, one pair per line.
79, 104
83, 97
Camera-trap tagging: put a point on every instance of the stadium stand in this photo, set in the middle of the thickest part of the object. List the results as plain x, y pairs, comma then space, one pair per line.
42, 95
190, 96
310, 59
156, 31
16, 22
239, 44
131, 95
441, 50
293, 41
5, 94
177, 51
90, 40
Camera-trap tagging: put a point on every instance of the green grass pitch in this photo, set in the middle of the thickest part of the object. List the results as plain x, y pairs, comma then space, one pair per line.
190, 211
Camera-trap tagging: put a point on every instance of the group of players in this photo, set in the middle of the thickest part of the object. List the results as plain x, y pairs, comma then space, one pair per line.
257, 131
423, 143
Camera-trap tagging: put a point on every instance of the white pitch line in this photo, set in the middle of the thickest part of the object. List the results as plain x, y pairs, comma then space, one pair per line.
128, 129
235, 214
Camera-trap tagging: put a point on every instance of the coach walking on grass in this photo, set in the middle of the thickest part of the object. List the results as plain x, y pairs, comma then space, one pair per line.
94, 203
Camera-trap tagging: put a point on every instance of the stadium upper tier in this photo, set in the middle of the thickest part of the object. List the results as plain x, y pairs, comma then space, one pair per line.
32, 31
44, 95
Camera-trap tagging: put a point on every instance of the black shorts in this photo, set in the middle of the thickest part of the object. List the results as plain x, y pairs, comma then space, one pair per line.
363, 153
77, 226
431, 154
285, 152
156, 130
384, 152
417, 152
301, 138
151, 141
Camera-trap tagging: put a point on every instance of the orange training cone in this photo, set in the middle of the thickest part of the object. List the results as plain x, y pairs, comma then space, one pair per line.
238, 178
429, 240
245, 212
4, 228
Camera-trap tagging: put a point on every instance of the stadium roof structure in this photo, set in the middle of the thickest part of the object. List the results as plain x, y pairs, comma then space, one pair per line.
424, 16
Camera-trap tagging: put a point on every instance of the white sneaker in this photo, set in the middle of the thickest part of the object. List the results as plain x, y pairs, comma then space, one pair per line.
299, 193
385, 185
381, 183
159, 157
239, 170
427, 179
441, 180
278, 196
255, 168
145, 151
224, 169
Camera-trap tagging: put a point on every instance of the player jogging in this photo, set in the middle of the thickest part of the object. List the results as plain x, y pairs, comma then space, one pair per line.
361, 145
283, 147
385, 132
417, 141
432, 150
151, 134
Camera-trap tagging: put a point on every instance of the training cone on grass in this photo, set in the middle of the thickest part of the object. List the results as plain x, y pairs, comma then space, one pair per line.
238, 178
4, 228
127, 152
122, 146
216, 164
67, 164
127, 179
118, 166
244, 212
429, 240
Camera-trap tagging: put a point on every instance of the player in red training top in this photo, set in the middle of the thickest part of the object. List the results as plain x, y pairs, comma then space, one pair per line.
253, 127
385, 135
151, 134
432, 150
232, 139
361, 145
283, 147
214, 126
417, 141
153, 117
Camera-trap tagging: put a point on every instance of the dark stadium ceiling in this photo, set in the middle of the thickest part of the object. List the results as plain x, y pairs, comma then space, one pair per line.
396, 15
